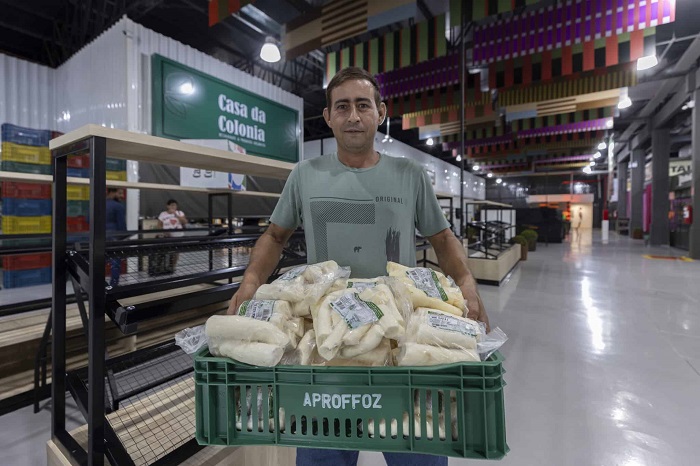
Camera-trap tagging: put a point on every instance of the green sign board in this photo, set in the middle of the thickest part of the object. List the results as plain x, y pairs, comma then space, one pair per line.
188, 104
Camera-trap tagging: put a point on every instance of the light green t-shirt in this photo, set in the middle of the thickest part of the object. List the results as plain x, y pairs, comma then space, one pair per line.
360, 217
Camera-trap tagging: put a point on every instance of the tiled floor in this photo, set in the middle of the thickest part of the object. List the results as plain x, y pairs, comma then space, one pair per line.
603, 361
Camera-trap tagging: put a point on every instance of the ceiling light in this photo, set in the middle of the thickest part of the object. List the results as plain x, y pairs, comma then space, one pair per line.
586, 169
644, 63
684, 107
691, 104
490, 175
625, 102
609, 124
430, 141
459, 158
597, 155
391, 139
591, 163
269, 51
475, 168
602, 146
499, 181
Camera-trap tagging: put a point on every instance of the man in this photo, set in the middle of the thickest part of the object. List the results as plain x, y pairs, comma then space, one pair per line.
359, 208
116, 221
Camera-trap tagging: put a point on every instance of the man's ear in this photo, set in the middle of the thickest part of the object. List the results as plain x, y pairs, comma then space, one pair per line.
327, 117
382, 112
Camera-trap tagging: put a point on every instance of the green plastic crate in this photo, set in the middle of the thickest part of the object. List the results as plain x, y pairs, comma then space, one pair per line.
26, 168
78, 208
353, 408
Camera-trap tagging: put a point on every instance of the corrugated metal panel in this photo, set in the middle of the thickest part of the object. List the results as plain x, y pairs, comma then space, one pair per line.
91, 86
26, 96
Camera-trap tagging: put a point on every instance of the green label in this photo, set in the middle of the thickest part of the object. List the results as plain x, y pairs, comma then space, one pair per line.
258, 309
427, 280
188, 104
355, 311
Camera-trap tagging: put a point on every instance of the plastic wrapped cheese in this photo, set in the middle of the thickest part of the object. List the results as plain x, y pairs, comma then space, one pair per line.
438, 328
429, 288
356, 322
303, 286
226, 328
416, 354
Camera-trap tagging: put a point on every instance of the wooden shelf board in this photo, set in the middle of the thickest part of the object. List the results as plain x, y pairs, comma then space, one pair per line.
145, 148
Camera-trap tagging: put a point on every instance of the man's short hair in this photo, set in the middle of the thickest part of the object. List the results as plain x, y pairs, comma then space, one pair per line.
171, 201
349, 74
112, 190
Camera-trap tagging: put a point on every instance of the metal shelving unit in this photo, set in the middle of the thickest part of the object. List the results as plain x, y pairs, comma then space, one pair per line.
207, 260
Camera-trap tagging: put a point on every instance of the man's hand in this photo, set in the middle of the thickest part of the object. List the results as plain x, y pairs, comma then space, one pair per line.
245, 292
475, 307
453, 262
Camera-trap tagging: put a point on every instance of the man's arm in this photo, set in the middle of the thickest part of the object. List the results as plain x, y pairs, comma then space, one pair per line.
263, 260
453, 262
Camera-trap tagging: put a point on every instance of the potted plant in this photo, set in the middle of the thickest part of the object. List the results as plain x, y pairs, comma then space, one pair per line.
531, 237
519, 239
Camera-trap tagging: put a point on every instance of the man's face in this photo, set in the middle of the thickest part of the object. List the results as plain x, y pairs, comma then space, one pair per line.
120, 195
172, 207
353, 115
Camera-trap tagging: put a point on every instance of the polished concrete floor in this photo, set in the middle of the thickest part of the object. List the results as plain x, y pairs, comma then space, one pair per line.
603, 360
603, 356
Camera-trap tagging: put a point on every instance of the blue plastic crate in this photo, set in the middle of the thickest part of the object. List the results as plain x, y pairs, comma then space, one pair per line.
78, 172
21, 278
26, 207
25, 136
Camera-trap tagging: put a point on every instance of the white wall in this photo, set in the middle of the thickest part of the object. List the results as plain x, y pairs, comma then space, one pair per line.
446, 174
26, 93
91, 86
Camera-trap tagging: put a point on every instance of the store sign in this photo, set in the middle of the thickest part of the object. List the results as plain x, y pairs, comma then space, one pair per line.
682, 169
191, 104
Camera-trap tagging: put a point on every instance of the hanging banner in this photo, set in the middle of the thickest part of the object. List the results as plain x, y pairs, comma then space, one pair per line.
569, 22
188, 104
339, 20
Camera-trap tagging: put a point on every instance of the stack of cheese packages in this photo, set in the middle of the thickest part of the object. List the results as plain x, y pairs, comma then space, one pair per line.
266, 327
316, 315
436, 333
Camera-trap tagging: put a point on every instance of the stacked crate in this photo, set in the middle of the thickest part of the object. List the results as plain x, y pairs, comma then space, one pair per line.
26, 207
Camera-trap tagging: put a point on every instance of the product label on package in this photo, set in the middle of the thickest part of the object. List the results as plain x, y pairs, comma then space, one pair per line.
361, 286
355, 311
258, 309
451, 324
427, 280
294, 273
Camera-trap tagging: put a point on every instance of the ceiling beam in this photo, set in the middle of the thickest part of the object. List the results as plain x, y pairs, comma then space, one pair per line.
685, 64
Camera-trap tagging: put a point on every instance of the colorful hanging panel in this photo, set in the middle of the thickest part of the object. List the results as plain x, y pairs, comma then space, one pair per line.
587, 56
430, 74
399, 49
431, 100
586, 140
562, 118
483, 8
436, 116
573, 85
570, 22
219, 10
340, 20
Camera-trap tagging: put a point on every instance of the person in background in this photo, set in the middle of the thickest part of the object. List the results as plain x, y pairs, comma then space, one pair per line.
116, 221
372, 204
172, 219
